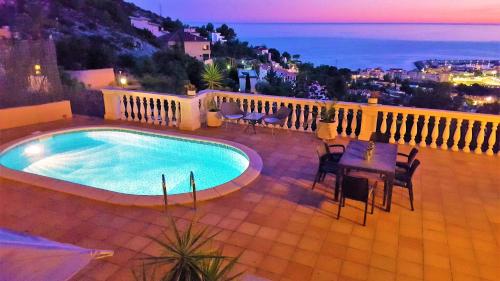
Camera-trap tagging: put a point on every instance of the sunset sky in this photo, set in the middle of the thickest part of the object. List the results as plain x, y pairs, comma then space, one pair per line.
426, 11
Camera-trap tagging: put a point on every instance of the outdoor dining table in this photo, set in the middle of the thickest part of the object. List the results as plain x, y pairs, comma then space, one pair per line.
383, 162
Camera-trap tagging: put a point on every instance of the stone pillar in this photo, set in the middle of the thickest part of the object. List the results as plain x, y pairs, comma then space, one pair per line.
190, 114
111, 105
368, 121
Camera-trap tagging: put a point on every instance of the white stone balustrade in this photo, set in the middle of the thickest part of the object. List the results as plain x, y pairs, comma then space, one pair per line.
447, 130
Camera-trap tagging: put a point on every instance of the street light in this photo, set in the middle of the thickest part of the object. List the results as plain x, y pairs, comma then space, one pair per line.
123, 81
38, 69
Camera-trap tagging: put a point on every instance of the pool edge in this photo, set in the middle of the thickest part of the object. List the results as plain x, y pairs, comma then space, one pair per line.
248, 176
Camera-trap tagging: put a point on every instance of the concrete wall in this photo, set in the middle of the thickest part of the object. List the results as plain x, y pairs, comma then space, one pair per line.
94, 78
34, 114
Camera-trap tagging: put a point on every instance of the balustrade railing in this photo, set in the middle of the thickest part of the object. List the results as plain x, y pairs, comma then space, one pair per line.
305, 113
447, 130
150, 108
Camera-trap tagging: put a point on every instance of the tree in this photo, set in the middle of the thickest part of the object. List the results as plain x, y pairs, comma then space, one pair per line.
286, 55
210, 27
171, 25
227, 32
212, 76
490, 108
275, 55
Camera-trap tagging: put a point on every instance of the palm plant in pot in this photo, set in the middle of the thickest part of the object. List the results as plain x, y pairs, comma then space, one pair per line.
190, 89
213, 115
186, 255
327, 126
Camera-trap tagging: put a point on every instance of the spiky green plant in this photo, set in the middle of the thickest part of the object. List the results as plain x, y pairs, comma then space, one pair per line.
212, 76
184, 254
215, 270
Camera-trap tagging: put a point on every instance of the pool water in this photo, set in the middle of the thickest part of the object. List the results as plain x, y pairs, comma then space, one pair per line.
128, 162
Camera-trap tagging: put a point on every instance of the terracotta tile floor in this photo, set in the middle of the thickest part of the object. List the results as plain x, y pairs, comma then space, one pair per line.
286, 231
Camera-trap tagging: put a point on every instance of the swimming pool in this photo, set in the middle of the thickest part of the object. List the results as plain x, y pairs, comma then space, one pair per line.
128, 161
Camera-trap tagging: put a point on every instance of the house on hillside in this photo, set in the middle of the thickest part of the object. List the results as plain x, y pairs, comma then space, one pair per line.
191, 44
285, 74
5, 32
145, 23
243, 75
216, 37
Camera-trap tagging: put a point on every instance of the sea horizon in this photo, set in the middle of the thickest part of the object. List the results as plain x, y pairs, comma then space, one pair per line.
366, 45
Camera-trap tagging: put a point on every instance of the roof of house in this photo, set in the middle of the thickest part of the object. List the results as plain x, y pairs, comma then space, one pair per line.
242, 73
181, 36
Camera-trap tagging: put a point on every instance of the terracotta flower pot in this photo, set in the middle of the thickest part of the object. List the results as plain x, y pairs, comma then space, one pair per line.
372, 100
327, 131
214, 119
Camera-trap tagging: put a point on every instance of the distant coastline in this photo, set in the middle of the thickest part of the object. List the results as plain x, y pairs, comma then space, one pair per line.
368, 45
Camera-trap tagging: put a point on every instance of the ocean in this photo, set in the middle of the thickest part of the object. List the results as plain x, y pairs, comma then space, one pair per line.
375, 45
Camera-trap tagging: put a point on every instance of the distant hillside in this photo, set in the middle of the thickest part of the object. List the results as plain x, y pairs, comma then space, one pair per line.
78, 24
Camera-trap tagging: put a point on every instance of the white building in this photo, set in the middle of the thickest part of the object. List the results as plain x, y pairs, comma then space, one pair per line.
285, 74
145, 23
242, 76
216, 37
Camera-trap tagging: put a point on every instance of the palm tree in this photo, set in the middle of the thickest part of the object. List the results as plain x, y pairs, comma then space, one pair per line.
185, 255
212, 76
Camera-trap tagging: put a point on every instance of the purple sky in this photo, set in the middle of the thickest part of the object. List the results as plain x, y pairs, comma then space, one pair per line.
444, 11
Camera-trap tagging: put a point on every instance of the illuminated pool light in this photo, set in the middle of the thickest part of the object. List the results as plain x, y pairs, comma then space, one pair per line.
34, 149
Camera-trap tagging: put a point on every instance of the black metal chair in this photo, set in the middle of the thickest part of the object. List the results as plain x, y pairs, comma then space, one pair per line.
379, 137
279, 118
410, 157
358, 189
328, 161
231, 111
404, 179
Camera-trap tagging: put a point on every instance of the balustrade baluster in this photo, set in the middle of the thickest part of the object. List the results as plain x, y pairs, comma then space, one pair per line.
170, 114
156, 104
318, 116
123, 107
413, 132
435, 131
164, 113
492, 138
383, 125
294, 116
301, 117
177, 113
345, 111
392, 131
480, 138
402, 129
150, 111
468, 136
337, 117
130, 108
457, 134
143, 109
446, 133
241, 121
136, 109
309, 117
354, 122
425, 131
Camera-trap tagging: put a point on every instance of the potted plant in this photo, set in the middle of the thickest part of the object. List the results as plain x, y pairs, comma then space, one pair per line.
373, 99
190, 89
327, 126
213, 116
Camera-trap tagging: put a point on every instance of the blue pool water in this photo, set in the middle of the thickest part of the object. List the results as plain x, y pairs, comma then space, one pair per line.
127, 161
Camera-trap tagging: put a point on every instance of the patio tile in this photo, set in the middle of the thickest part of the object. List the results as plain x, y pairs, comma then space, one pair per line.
281, 226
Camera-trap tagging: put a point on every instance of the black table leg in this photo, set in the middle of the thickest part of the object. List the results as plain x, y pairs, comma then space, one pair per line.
390, 180
338, 179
